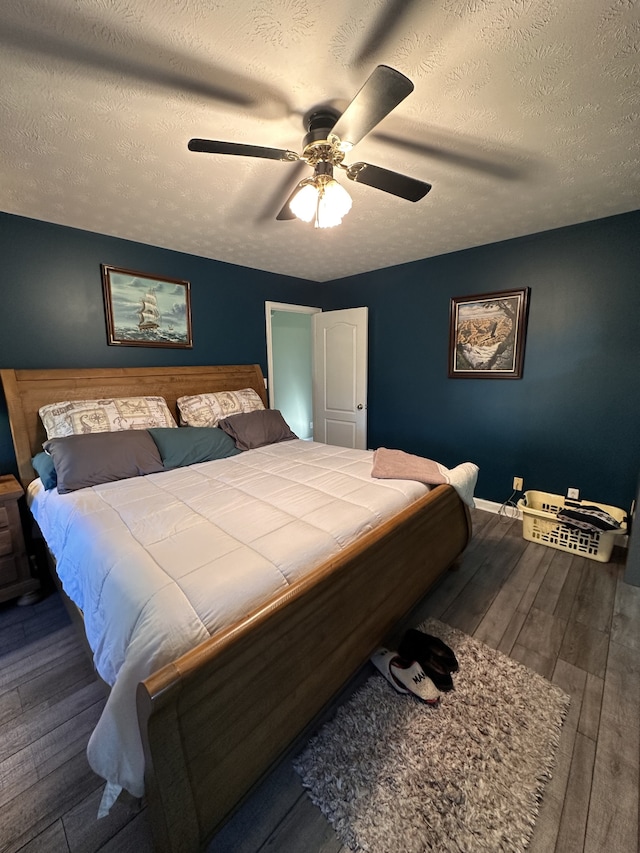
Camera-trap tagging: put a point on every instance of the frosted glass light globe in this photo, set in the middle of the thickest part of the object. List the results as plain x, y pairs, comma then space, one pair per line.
335, 202
305, 202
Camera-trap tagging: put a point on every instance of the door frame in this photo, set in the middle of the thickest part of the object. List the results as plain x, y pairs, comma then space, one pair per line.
279, 306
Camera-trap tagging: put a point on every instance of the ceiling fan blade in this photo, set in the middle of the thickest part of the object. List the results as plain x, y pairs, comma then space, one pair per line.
387, 181
109, 51
460, 153
210, 146
385, 28
383, 90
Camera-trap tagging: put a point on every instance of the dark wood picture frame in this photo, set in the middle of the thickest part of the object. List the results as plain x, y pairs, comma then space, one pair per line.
144, 310
487, 334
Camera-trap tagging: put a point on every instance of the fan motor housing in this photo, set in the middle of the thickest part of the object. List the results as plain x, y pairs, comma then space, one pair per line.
317, 147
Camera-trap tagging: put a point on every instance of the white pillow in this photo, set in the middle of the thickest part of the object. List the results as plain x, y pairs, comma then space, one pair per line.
205, 410
77, 417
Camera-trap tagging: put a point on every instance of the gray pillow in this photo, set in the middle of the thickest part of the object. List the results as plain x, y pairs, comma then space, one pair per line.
102, 457
255, 429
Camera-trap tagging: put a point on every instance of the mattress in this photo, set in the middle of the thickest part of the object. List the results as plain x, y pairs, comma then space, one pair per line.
158, 564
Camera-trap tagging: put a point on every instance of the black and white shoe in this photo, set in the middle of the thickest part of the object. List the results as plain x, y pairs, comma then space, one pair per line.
406, 676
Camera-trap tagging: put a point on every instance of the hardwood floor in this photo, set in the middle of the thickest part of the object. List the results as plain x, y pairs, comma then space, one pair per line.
573, 620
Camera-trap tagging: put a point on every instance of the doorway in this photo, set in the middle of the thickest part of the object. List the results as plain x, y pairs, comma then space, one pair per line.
290, 364
317, 368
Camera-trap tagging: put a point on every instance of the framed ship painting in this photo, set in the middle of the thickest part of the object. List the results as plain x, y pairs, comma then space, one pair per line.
486, 335
146, 311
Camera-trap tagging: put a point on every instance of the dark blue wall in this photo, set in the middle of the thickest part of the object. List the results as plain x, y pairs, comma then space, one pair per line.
573, 420
53, 312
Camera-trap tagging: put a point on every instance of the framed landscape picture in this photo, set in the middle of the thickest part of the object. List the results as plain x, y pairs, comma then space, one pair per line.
146, 311
487, 335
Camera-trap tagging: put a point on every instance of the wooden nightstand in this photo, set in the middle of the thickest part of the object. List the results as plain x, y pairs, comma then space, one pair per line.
15, 572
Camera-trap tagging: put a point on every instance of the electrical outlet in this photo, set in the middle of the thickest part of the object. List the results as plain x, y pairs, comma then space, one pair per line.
517, 484
573, 494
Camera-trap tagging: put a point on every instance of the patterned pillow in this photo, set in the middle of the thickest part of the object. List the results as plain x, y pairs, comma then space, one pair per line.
77, 417
205, 410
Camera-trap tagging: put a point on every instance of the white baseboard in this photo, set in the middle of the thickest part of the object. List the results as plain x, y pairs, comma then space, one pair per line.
492, 506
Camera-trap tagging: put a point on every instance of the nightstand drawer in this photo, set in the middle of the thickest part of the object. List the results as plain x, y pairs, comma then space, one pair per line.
9, 570
6, 541
16, 579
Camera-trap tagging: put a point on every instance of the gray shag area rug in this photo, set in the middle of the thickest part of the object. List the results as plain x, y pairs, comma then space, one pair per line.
393, 775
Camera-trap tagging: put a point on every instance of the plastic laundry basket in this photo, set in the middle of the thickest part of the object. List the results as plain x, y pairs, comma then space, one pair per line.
540, 524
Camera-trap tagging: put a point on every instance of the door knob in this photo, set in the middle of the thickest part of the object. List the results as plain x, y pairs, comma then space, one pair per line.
360, 406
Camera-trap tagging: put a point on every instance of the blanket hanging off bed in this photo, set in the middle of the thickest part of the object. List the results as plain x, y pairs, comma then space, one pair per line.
398, 465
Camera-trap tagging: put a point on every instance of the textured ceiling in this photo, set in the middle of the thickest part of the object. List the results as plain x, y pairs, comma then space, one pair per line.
524, 117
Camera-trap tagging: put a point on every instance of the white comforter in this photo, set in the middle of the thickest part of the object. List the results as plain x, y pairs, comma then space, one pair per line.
159, 563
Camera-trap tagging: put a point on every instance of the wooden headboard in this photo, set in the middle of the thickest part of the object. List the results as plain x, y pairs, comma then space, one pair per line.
27, 390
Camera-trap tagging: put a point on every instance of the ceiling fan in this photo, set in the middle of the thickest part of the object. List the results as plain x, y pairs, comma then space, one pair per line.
330, 137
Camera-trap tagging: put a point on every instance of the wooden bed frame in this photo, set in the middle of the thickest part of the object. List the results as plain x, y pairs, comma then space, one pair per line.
216, 720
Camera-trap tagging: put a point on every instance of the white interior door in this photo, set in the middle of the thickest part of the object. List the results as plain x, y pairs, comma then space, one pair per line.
340, 377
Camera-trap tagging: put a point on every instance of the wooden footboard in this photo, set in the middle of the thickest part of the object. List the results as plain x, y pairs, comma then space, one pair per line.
217, 719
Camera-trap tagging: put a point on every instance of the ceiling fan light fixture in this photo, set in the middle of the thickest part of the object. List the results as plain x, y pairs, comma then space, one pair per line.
334, 202
322, 199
